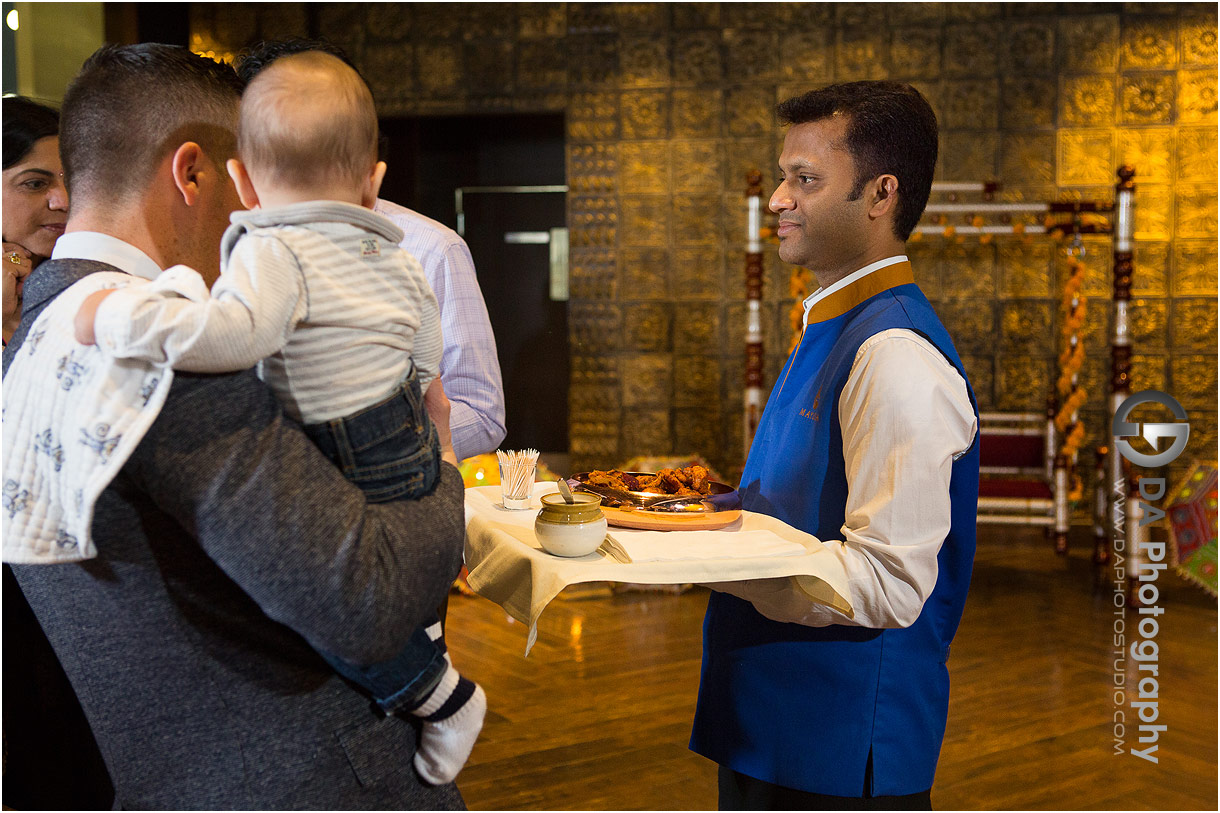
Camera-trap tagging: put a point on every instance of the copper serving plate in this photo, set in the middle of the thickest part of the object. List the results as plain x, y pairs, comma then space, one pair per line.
664, 512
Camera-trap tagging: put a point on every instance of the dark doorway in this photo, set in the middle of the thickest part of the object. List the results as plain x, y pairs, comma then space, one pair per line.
491, 158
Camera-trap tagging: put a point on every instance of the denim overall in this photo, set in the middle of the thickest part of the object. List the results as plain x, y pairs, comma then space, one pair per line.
392, 452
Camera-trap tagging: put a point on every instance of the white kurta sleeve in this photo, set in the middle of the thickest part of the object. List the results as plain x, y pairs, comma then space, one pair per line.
905, 416
253, 307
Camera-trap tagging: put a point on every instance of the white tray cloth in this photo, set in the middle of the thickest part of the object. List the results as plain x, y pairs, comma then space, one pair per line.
506, 564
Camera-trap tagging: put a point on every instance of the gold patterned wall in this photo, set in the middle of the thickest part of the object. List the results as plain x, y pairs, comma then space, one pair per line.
668, 105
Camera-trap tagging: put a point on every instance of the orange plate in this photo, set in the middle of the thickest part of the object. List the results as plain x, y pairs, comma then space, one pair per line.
657, 521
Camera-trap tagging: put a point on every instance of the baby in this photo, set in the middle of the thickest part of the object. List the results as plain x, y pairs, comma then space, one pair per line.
342, 323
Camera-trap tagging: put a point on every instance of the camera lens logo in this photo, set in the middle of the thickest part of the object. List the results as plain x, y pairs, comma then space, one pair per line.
1151, 432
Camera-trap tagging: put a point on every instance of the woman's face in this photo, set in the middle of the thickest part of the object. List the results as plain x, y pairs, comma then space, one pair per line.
35, 200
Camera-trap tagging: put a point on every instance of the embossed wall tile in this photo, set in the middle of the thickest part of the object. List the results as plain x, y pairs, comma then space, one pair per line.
487, 67
1084, 157
1154, 213
592, 221
697, 274
861, 54
971, 324
1149, 42
695, 15
1029, 103
392, 22
916, 14
697, 221
750, 111
592, 168
1025, 328
1197, 154
593, 274
1198, 39
748, 155
915, 52
805, 15
970, 104
1196, 206
592, 18
593, 116
1090, 43
540, 64
1025, 270
439, 67
972, 12
1094, 379
645, 273
857, 15
1029, 48
390, 72
697, 112
1149, 323
645, 114
752, 55
1147, 98
1150, 151
592, 60
1197, 97
1194, 267
981, 375
1194, 383
1087, 100
1022, 383
1151, 274
437, 21
971, 50
696, 381
697, 431
541, 20
926, 261
650, 17
234, 24
647, 379
806, 55
1028, 159
1194, 325
644, 61
647, 432
647, 326
644, 167
645, 221
968, 155
1098, 263
1148, 372
595, 328
698, 167
969, 271
697, 58
697, 328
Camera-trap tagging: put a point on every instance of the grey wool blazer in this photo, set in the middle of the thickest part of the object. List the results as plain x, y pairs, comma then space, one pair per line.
229, 549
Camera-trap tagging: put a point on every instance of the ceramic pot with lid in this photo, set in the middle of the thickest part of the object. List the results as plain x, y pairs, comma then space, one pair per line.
570, 529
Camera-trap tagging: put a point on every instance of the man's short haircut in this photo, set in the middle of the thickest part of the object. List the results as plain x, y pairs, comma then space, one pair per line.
308, 119
891, 130
254, 59
131, 105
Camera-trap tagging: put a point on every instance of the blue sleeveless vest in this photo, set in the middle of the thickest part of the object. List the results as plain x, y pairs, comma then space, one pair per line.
810, 707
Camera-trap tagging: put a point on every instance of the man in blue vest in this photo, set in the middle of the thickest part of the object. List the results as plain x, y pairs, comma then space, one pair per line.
868, 443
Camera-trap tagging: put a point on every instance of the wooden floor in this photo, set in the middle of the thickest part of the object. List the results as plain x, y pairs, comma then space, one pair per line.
598, 716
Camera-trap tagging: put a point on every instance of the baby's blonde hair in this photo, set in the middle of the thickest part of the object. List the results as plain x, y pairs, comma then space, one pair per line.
307, 120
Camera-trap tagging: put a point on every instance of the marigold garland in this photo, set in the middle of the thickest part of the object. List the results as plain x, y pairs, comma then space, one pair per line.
1072, 396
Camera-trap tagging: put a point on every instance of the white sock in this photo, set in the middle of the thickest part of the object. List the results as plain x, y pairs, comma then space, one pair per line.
446, 742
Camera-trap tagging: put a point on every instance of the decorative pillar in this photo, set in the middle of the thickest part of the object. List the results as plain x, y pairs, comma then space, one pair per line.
1120, 340
1101, 504
754, 334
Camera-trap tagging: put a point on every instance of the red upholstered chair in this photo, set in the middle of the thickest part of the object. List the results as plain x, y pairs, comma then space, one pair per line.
1016, 469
